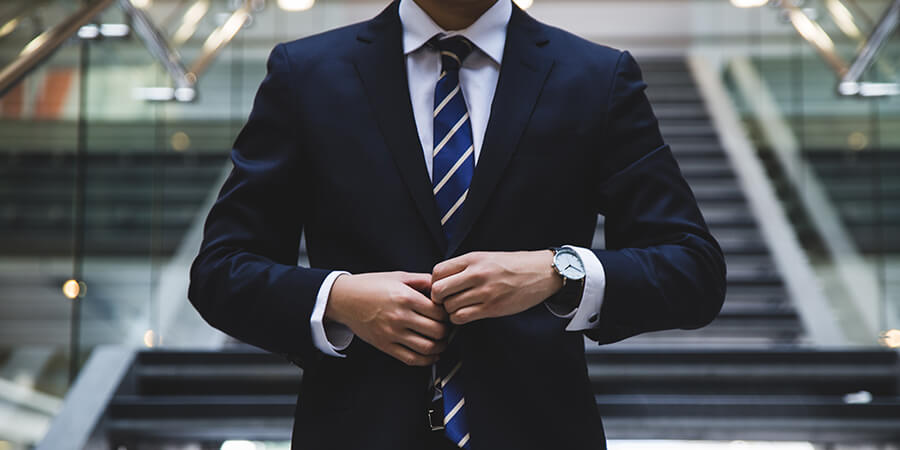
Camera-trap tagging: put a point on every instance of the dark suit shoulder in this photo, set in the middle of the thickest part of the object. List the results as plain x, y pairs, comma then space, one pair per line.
571, 49
328, 45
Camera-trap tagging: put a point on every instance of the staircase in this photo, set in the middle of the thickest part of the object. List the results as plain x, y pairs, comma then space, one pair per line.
136, 202
205, 398
749, 375
757, 312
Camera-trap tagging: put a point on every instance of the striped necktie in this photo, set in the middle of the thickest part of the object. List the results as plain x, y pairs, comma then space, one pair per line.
454, 163
454, 153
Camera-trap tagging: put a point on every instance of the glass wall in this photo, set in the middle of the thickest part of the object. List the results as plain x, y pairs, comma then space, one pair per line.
106, 177
833, 157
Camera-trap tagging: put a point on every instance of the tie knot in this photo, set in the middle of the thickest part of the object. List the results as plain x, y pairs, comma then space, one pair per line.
454, 51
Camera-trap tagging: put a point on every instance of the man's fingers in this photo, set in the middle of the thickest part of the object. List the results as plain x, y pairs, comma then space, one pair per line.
419, 281
421, 345
463, 299
409, 357
451, 285
468, 314
425, 326
424, 306
450, 267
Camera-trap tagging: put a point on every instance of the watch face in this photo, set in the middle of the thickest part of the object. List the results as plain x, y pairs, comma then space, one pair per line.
569, 264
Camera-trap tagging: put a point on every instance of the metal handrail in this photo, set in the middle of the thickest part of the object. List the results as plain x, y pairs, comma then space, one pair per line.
221, 37
46, 43
185, 80
850, 83
159, 47
850, 75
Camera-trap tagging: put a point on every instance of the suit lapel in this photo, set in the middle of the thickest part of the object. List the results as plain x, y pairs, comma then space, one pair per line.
522, 75
381, 65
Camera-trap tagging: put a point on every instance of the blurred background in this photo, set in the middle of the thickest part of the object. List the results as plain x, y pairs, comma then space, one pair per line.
116, 122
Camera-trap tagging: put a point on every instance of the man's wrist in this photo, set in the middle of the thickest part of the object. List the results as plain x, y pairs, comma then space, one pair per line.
567, 297
335, 299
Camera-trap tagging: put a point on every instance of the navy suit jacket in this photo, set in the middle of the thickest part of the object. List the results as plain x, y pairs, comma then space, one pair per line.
331, 149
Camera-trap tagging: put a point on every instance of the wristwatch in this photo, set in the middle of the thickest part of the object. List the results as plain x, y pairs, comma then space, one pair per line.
568, 264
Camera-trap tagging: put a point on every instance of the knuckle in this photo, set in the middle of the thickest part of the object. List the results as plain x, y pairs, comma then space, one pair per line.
480, 273
450, 306
437, 289
403, 299
391, 317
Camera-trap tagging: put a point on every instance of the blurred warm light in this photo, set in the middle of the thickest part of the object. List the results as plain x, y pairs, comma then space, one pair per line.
72, 289
749, 3
227, 31
296, 5
180, 141
843, 18
142, 4
524, 4
34, 44
891, 338
5, 445
857, 140
8, 27
810, 30
189, 23
149, 338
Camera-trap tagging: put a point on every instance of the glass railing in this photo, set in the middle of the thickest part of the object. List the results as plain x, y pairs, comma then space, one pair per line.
834, 157
106, 173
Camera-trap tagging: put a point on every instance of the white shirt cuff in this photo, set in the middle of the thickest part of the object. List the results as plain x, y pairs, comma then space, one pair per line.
332, 337
586, 315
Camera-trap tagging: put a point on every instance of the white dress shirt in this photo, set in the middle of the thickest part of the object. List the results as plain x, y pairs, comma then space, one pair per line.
478, 80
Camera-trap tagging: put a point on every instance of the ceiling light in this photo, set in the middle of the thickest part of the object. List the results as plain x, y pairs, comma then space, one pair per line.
749, 3
296, 5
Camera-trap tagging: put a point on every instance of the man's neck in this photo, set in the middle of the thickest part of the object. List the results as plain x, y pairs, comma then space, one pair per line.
455, 14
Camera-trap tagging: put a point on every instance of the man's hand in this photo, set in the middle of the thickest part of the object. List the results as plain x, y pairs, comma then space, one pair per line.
392, 312
479, 285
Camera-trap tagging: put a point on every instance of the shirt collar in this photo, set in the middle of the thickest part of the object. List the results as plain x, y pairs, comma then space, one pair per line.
488, 33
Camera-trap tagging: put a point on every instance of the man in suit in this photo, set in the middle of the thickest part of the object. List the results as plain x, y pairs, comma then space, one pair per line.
448, 184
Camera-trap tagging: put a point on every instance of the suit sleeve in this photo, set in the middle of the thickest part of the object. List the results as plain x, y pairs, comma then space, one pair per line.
664, 270
245, 280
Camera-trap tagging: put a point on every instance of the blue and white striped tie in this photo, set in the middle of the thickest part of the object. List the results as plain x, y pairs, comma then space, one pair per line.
454, 163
